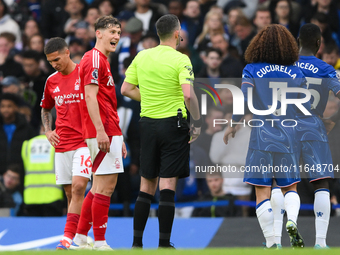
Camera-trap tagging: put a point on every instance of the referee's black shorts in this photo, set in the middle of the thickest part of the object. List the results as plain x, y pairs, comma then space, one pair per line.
164, 148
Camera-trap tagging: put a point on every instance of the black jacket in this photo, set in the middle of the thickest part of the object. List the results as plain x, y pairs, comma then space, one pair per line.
12, 154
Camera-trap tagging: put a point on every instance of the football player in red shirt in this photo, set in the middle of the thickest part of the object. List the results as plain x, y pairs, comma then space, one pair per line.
72, 156
101, 131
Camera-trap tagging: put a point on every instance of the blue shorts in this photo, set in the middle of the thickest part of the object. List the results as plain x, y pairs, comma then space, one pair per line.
317, 160
263, 166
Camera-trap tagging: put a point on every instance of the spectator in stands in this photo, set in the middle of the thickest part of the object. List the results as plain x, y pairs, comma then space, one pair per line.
75, 9
232, 67
35, 80
91, 16
105, 7
31, 28
76, 46
10, 188
7, 65
212, 68
149, 40
327, 7
192, 20
321, 20
11, 84
53, 18
331, 55
233, 13
204, 141
7, 24
245, 32
216, 193
262, 18
146, 12
15, 130
235, 156
37, 43
281, 13
24, 10
82, 32
131, 44
213, 24
176, 7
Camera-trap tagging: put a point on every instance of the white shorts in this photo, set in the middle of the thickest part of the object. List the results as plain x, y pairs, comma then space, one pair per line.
72, 163
107, 163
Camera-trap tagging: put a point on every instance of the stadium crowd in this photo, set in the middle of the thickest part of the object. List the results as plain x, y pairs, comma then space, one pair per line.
215, 36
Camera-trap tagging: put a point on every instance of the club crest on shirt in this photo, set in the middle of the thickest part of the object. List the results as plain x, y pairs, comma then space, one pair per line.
117, 163
95, 74
76, 84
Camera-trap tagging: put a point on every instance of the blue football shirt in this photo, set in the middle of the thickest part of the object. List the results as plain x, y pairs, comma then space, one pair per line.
321, 78
275, 131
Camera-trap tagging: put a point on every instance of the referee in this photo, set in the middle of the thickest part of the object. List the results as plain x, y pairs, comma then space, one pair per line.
165, 79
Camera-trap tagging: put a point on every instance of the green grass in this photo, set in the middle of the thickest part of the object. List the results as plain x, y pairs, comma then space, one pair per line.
208, 251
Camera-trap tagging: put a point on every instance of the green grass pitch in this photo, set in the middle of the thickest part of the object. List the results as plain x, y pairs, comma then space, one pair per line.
207, 251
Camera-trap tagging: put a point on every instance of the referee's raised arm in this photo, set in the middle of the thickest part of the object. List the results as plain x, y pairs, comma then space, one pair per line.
164, 77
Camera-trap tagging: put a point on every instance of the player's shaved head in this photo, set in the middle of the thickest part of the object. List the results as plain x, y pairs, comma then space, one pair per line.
166, 25
105, 22
55, 44
309, 36
274, 44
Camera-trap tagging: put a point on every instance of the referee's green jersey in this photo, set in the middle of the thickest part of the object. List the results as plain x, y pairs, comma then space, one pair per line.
160, 72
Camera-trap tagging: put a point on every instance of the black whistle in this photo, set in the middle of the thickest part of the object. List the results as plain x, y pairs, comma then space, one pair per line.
179, 117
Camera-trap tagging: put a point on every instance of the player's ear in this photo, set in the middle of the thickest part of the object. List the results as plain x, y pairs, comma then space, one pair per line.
67, 52
99, 34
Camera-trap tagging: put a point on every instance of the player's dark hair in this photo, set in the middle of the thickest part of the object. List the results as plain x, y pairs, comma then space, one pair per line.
274, 44
309, 35
105, 22
55, 44
31, 54
166, 25
218, 51
330, 48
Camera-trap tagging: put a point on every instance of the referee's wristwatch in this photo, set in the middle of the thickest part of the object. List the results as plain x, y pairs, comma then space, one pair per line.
197, 123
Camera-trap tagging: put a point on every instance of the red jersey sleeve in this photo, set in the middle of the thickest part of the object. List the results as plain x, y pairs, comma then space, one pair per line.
91, 69
47, 102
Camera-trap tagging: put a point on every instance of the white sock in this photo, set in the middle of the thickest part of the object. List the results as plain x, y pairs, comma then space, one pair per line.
80, 239
265, 216
278, 206
322, 210
98, 244
292, 205
69, 240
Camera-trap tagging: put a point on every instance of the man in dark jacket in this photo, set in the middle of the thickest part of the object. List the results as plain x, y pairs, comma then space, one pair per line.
13, 132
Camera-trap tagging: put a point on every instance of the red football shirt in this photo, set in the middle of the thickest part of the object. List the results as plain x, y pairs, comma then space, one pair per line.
95, 69
63, 92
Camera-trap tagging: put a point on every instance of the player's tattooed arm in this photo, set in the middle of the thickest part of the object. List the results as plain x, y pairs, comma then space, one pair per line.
52, 136
46, 117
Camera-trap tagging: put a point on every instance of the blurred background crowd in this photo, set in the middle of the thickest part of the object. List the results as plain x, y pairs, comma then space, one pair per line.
215, 36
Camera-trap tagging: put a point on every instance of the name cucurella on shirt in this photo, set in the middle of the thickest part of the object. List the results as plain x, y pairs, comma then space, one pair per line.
277, 68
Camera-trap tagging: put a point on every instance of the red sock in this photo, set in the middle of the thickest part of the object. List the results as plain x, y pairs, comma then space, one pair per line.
85, 221
100, 211
72, 220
